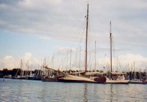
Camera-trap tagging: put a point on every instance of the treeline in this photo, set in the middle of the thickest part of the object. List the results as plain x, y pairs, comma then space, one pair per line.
17, 71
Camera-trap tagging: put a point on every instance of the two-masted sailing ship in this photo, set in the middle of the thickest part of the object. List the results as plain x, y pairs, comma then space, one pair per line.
86, 76
83, 76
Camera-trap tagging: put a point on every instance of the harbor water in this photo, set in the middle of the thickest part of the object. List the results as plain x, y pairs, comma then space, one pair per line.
13, 90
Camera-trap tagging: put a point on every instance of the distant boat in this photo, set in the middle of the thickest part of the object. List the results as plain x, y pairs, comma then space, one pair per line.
49, 74
83, 78
141, 80
137, 81
8, 76
120, 79
21, 76
51, 77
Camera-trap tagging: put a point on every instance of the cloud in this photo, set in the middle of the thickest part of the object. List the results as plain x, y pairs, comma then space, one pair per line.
65, 21
57, 19
136, 59
28, 59
39, 2
8, 62
8, 2
126, 62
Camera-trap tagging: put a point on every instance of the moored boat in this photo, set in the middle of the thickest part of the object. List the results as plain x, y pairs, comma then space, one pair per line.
117, 78
137, 81
83, 78
120, 79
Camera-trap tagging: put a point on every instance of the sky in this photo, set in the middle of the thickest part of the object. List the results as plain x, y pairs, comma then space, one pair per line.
33, 30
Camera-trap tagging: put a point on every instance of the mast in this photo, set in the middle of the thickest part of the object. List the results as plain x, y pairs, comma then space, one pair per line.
110, 48
87, 17
70, 57
21, 65
80, 58
95, 55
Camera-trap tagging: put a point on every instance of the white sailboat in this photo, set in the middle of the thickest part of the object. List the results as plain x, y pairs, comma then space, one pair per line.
72, 78
120, 79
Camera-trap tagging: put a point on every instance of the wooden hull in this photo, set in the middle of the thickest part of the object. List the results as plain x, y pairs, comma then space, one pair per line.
75, 81
78, 79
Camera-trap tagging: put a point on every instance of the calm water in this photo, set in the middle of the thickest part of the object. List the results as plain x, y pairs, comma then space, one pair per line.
12, 90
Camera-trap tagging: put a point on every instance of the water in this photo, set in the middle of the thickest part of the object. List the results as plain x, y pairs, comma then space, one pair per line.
12, 90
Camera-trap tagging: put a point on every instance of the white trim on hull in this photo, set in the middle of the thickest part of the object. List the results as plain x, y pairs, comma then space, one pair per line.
117, 81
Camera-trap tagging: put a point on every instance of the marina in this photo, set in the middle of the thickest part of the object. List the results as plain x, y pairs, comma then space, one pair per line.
58, 76
73, 51
32, 91
110, 74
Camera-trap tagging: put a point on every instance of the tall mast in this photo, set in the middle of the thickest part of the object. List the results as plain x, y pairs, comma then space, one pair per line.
110, 48
87, 17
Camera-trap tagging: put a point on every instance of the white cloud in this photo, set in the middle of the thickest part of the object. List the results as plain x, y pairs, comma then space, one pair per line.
27, 56
28, 59
8, 61
125, 62
139, 60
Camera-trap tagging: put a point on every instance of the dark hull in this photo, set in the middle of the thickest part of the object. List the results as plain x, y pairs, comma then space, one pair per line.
137, 82
49, 79
117, 83
96, 80
20, 78
75, 81
34, 78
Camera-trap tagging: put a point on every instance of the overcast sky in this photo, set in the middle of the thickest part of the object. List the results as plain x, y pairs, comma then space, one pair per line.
34, 29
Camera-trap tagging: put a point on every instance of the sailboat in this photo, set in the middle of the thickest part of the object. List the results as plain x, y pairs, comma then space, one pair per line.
140, 80
22, 73
120, 79
137, 81
83, 78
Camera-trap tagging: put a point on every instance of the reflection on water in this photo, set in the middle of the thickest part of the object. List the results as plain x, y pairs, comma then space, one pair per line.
37, 91
111, 90
85, 93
